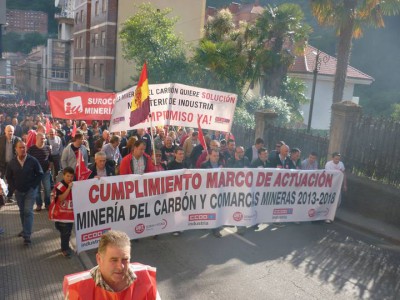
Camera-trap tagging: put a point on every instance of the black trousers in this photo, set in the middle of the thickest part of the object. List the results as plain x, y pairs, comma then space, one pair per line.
65, 230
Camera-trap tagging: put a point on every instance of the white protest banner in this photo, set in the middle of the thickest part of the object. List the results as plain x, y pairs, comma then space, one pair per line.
162, 202
178, 105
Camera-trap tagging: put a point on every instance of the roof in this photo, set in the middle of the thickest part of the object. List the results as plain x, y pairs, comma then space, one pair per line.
306, 63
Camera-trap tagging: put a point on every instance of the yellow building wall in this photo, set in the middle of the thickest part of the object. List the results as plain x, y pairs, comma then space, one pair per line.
190, 25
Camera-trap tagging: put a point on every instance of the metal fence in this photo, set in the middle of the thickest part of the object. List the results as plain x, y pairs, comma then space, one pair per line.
373, 150
295, 138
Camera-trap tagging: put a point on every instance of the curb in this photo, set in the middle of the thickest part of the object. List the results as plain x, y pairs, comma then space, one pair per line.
371, 231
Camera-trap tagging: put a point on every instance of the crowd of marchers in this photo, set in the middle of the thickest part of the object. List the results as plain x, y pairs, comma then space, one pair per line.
39, 158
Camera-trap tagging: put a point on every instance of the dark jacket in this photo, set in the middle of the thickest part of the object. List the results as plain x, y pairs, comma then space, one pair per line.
258, 163
234, 163
18, 131
277, 163
109, 171
207, 165
174, 165
24, 178
196, 152
249, 153
3, 141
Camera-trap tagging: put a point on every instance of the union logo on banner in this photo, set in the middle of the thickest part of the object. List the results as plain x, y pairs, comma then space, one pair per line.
73, 105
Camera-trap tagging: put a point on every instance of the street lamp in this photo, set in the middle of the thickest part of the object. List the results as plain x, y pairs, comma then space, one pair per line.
318, 61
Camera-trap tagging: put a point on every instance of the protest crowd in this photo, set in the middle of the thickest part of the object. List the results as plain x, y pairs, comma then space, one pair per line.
41, 157
56, 145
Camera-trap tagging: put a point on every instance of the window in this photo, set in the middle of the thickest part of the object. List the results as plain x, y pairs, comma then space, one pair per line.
80, 42
81, 15
103, 6
96, 8
96, 39
103, 38
101, 71
94, 69
80, 69
76, 68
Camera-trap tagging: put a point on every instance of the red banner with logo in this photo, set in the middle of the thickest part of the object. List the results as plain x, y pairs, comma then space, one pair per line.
81, 105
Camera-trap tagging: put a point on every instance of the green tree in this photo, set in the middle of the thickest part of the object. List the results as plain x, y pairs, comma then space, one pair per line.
219, 59
349, 17
396, 111
293, 91
279, 33
244, 114
149, 36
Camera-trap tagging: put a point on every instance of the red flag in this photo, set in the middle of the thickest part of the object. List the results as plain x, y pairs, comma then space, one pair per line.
31, 139
201, 136
48, 125
140, 105
81, 171
73, 132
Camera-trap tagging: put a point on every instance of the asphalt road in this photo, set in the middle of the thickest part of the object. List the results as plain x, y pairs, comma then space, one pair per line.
305, 261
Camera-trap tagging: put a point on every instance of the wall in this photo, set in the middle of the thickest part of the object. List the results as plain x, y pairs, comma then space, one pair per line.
321, 117
372, 199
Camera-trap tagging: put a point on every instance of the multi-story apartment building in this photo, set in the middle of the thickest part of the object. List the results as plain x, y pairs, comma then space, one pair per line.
94, 45
29, 75
98, 61
24, 21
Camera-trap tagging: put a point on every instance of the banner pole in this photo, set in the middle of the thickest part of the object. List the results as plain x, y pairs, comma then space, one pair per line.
152, 138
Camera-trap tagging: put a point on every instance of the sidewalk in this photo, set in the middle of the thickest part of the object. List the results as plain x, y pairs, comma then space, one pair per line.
36, 271
374, 227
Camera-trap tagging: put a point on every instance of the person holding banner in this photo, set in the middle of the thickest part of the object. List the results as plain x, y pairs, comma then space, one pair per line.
214, 144
137, 162
100, 168
336, 164
262, 160
61, 210
239, 160
114, 277
310, 163
213, 163
179, 160
281, 159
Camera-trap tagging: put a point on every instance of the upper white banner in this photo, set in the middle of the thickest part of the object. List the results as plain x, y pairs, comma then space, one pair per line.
178, 105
